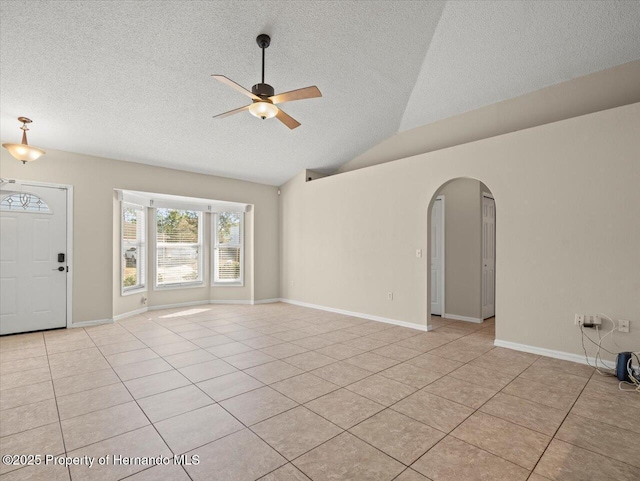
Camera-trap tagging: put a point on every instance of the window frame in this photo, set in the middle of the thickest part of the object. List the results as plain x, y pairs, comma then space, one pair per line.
214, 253
200, 282
142, 277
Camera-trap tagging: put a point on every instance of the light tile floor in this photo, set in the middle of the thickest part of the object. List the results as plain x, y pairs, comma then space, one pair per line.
281, 392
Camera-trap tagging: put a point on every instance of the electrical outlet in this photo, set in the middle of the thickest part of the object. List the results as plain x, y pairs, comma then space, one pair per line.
418, 252
390, 296
590, 320
623, 325
595, 320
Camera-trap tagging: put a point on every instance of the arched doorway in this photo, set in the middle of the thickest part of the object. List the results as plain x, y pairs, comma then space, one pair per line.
461, 260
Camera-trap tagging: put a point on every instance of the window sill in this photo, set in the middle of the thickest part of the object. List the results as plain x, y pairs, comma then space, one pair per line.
227, 284
169, 287
130, 292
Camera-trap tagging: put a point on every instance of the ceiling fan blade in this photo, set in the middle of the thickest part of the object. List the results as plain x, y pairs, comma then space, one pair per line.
287, 120
233, 85
300, 94
231, 112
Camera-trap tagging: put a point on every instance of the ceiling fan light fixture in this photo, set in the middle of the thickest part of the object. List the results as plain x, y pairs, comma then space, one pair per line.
263, 109
24, 152
262, 94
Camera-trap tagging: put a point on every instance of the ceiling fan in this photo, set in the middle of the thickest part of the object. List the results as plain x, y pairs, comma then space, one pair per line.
264, 100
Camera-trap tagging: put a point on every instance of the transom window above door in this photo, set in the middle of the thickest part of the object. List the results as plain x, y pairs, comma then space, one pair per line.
24, 202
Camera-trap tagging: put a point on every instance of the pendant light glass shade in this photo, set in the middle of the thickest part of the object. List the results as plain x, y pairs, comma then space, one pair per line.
263, 109
24, 152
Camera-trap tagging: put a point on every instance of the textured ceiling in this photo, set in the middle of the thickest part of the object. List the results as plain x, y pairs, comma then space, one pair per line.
486, 52
131, 79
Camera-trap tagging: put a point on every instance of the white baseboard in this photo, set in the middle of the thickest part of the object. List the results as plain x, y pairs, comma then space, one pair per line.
541, 351
142, 310
456, 317
244, 301
179, 304
124, 315
231, 301
359, 314
97, 322
267, 301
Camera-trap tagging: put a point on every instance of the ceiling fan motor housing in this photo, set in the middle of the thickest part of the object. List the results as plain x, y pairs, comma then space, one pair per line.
263, 90
263, 40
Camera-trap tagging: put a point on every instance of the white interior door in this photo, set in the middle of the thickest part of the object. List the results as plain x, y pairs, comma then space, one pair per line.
488, 257
437, 257
33, 279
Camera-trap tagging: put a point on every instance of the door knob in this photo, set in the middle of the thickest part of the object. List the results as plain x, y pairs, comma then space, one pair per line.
61, 269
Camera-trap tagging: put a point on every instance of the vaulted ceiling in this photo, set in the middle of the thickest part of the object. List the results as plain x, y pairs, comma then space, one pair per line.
131, 80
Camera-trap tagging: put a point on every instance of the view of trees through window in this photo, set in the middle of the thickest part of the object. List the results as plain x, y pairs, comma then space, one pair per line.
133, 242
129, 232
177, 225
228, 248
178, 246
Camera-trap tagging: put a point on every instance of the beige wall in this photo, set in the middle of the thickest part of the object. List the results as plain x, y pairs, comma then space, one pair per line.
602, 90
463, 248
96, 283
568, 230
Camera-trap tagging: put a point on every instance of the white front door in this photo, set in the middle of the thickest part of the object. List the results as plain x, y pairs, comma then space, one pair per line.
33, 257
437, 257
488, 257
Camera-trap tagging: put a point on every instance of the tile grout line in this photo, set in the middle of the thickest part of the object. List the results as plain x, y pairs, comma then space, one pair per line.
342, 387
64, 444
283, 412
231, 414
559, 426
144, 413
345, 387
369, 417
234, 417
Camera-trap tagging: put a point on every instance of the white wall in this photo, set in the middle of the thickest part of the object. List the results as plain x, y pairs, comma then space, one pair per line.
568, 200
96, 280
463, 248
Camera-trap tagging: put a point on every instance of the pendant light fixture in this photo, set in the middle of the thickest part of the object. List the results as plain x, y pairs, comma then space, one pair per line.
24, 152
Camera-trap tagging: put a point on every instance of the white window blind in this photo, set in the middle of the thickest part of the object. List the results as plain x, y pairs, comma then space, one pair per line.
179, 249
133, 247
228, 262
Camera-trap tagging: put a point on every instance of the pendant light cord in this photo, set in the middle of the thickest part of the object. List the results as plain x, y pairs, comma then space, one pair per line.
263, 49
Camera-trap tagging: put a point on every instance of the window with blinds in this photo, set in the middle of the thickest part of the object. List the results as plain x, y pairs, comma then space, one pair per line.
228, 235
179, 249
133, 247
